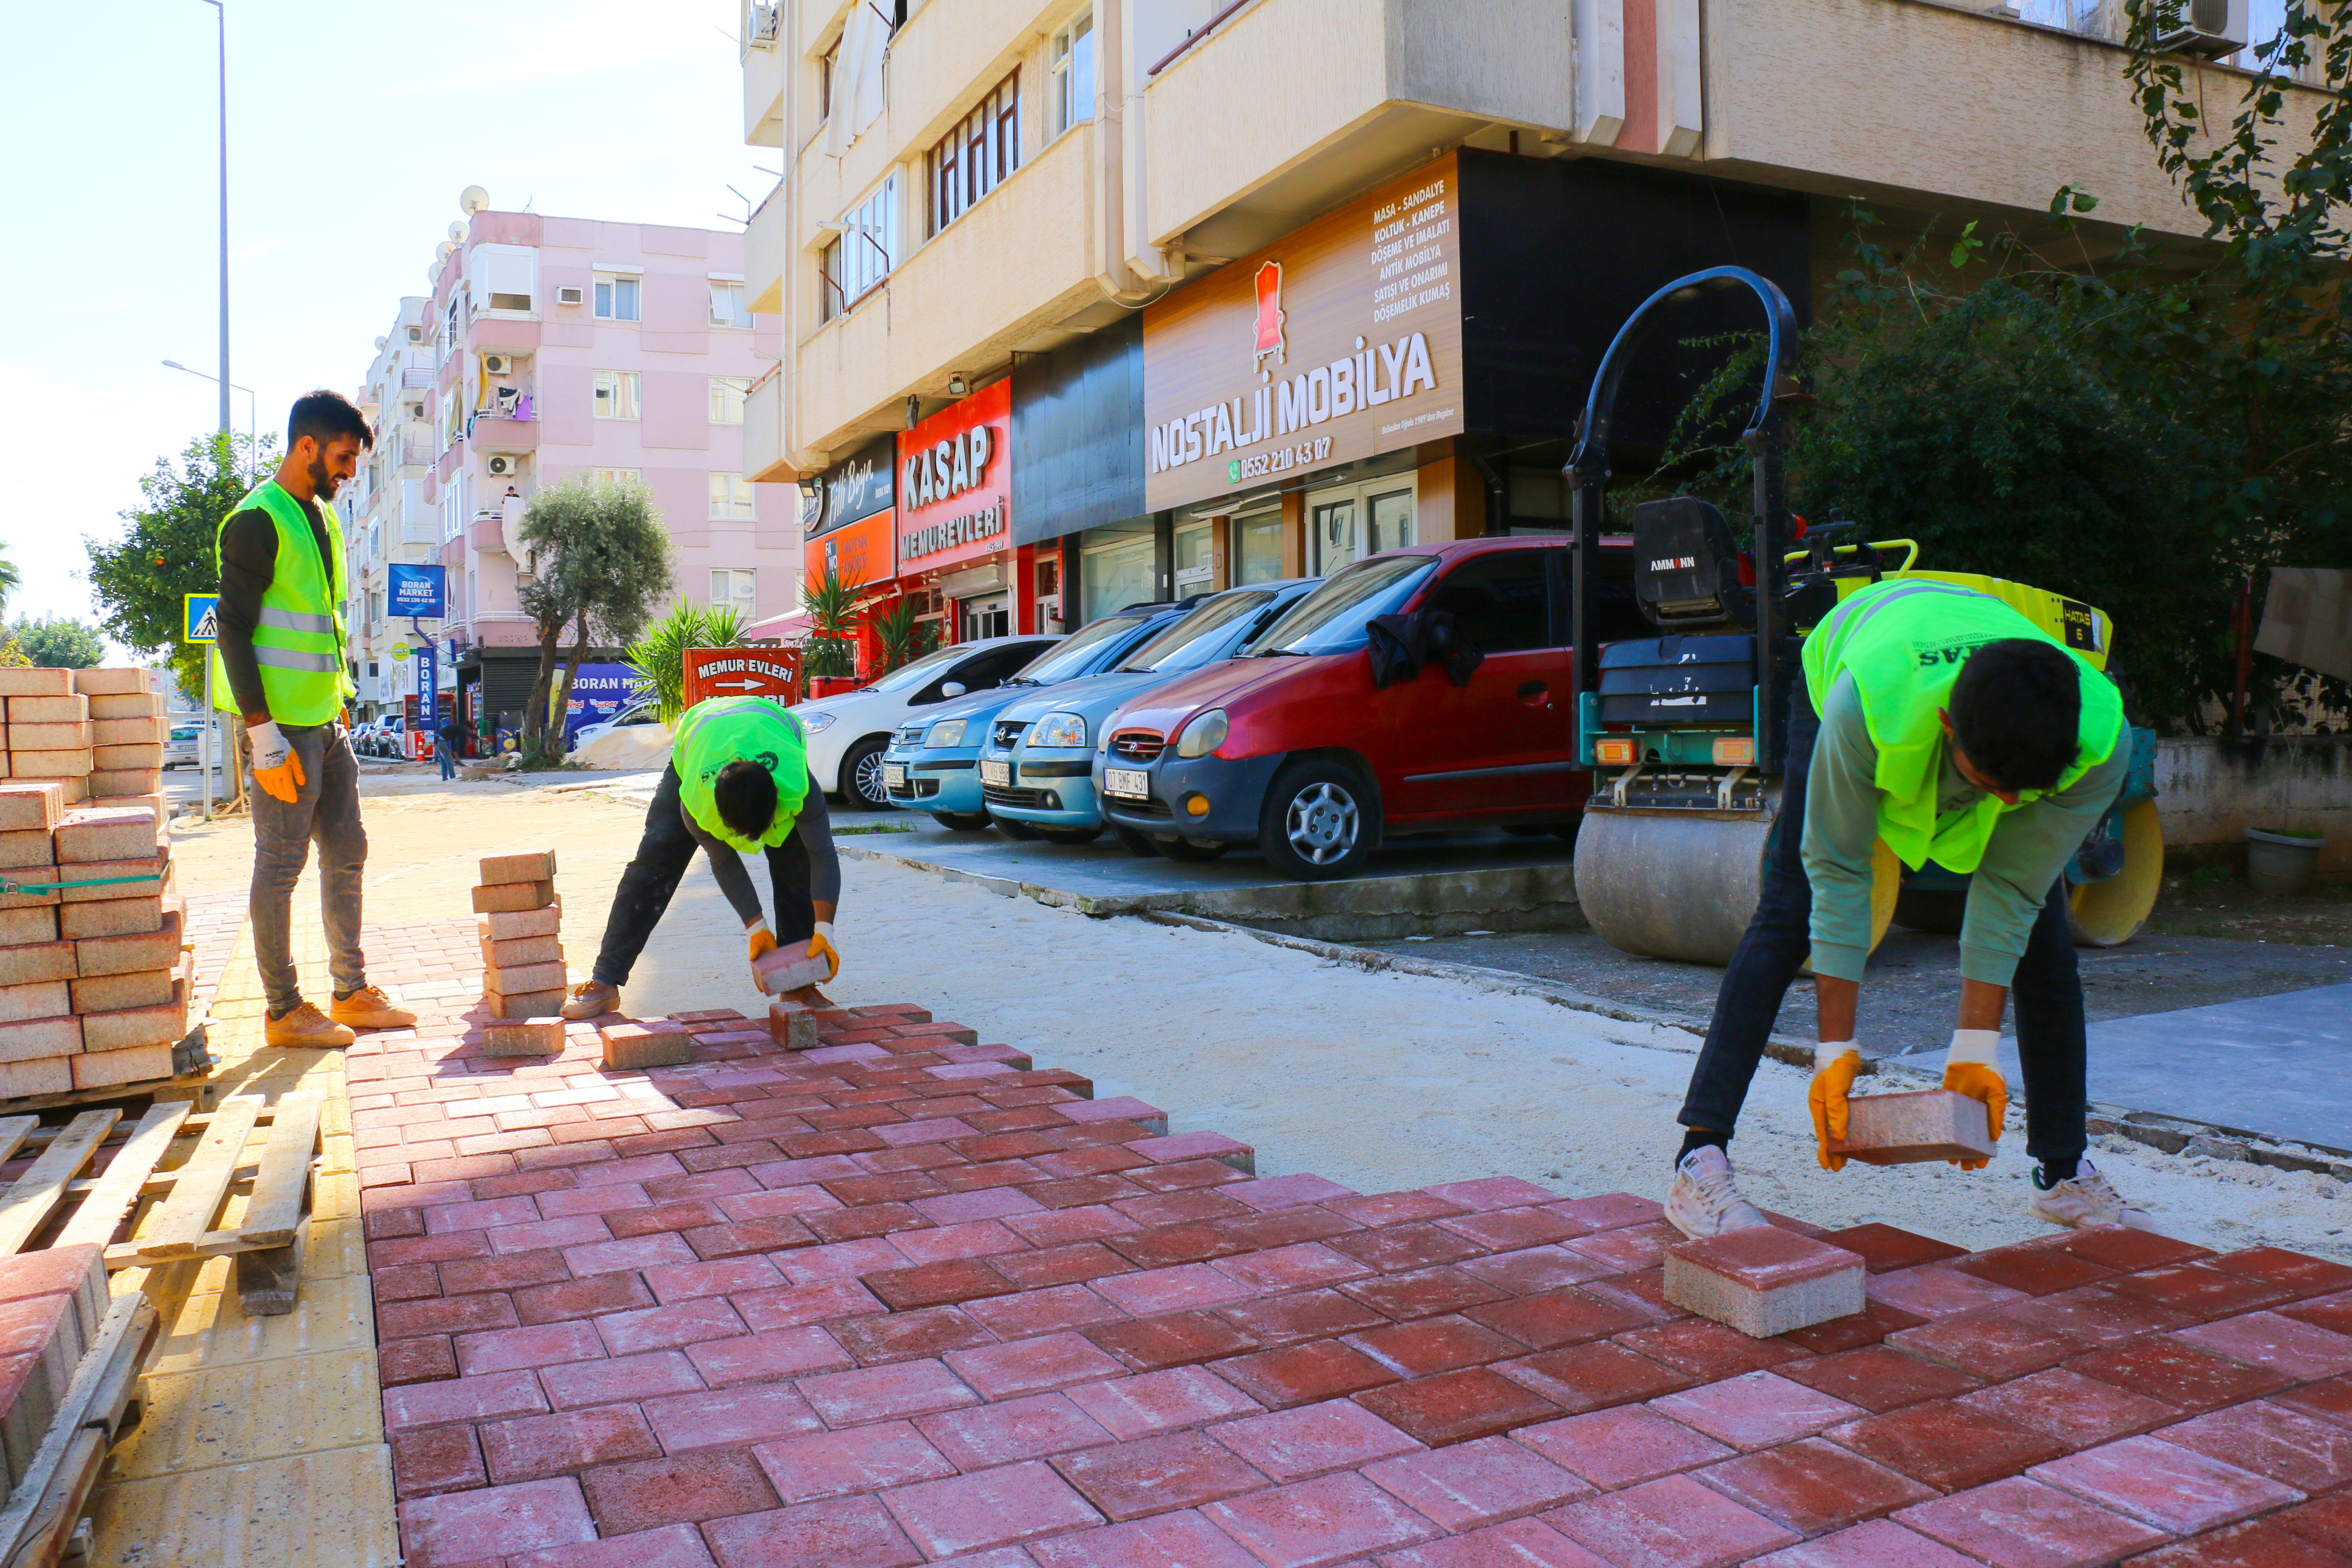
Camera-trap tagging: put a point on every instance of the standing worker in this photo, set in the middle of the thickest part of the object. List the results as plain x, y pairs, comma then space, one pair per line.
1954, 728
444, 746
737, 784
279, 665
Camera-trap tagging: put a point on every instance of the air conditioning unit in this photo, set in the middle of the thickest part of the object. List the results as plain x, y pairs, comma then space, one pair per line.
498, 364
763, 24
501, 466
2209, 27
571, 294
417, 335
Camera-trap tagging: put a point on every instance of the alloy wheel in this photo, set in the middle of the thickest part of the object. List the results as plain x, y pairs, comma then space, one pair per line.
1322, 822
871, 790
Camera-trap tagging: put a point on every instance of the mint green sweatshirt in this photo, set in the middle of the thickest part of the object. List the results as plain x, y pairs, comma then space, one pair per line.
2029, 848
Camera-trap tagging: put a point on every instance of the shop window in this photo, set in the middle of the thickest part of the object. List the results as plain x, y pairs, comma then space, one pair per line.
975, 157
1257, 548
730, 497
1333, 533
1117, 566
1074, 73
727, 392
857, 261
617, 296
1196, 568
616, 395
1346, 525
736, 588
1500, 602
727, 308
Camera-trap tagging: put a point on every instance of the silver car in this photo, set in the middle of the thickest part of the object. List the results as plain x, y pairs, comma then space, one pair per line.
184, 745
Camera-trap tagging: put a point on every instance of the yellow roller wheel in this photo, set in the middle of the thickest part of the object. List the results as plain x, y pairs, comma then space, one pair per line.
2110, 913
1886, 886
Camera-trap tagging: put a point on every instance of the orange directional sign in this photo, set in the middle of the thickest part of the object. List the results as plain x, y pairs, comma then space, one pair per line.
771, 672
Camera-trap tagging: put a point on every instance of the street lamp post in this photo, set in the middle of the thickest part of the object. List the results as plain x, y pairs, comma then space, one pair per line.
221, 10
252, 418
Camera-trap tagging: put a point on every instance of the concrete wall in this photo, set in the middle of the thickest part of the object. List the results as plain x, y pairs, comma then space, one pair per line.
2209, 791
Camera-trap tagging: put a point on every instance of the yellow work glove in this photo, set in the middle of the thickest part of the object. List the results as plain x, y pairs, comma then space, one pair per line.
762, 939
1972, 1066
1835, 1063
276, 767
821, 946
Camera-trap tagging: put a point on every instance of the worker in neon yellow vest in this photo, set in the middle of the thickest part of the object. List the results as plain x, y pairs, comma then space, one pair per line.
1943, 721
738, 784
279, 666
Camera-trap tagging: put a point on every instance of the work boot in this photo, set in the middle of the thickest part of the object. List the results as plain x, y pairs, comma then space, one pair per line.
306, 1025
592, 999
2083, 1200
809, 997
1702, 1201
369, 1008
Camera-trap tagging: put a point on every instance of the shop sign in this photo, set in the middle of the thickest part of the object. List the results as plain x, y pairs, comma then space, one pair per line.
850, 492
1339, 342
771, 672
860, 553
954, 483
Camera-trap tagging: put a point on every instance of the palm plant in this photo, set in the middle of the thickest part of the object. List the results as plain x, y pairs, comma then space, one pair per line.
10, 580
902, 637
658, 654
832, 607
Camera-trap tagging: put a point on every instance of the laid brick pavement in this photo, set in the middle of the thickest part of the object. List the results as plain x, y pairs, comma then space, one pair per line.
909, 1299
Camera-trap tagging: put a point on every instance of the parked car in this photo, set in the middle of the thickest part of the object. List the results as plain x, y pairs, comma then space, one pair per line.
634, 714
1296, 749
1038, 765
932, 762
390, 737
847, 734
184, 745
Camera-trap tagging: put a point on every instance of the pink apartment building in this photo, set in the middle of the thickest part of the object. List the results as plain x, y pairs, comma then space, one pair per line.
561, 345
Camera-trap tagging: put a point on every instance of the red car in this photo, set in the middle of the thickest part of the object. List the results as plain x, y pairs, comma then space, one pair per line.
1292, 746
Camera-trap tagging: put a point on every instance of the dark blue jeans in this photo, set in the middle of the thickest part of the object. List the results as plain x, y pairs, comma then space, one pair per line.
2047, 988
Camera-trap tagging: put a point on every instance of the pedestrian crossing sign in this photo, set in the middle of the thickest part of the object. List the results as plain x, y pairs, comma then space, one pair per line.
200, 619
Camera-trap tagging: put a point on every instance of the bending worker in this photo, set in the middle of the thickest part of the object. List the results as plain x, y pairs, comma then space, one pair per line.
1956, 730
279, 666
738, 784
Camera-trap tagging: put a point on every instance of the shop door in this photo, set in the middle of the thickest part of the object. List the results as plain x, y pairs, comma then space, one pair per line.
984, 617
1332, 527
1502, 742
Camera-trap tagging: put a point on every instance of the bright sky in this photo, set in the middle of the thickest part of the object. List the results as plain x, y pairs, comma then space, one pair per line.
352, 129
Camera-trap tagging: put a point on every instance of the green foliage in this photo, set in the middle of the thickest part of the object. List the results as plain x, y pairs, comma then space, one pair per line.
903, 639
832, 606
10, 579
658, 654
60, 644
599, 561
166, 552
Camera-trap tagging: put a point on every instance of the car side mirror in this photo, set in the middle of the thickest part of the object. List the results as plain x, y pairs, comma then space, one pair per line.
954, 688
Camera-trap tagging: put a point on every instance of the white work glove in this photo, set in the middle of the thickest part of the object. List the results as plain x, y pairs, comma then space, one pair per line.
1836, 1064
275, 768
1972, 1066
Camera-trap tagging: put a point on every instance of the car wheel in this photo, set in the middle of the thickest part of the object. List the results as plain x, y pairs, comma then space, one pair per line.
1322, 820
961, 821
1135, 843
1189, 849
1012, 828
1070, 835
861, 776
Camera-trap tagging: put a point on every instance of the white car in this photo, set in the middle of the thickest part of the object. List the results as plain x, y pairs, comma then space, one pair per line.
635, 713
847, 734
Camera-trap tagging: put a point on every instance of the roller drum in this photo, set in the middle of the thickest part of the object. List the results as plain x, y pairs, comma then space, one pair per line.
1671, 885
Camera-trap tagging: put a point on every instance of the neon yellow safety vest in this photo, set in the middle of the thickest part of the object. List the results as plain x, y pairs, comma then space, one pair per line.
1904, 643
299, 643
741, 728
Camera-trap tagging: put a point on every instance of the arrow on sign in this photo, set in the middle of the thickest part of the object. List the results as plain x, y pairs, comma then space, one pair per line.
740, 683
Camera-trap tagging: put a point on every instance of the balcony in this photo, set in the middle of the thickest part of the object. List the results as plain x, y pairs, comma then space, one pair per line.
420, 376
765, 446
766, 68
767, 251
416, 454
494, 433
487, 534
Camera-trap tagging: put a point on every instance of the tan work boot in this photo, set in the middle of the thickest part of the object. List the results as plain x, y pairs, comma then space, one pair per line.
306, 1025
369, 1008
809, 997
592, 999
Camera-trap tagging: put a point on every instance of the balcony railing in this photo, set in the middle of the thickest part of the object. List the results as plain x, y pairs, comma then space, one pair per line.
420, 453
417, 376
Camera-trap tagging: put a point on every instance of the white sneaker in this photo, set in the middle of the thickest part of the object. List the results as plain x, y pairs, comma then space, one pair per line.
2083, 1200
1702, 1201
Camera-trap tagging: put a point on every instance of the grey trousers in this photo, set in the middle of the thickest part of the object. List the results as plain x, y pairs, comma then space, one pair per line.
325, 809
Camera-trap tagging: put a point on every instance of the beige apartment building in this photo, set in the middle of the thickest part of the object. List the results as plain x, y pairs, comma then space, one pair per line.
1278, 283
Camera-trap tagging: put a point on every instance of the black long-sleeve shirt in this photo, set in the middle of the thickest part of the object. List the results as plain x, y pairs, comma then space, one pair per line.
248, 560
814, 830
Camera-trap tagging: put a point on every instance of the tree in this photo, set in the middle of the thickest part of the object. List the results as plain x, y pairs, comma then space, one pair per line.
61, 643
658, 654
600, 562
167, 551
10, 580
831, 605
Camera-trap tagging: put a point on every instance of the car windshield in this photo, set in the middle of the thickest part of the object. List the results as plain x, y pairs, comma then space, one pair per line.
909, 676
1194, 641
1332, 619
1074, 653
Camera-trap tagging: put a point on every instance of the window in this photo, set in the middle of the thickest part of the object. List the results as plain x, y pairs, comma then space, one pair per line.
861, 257
727, 398
737, 589
731, 496
974, 157
617, 296
617, 476
824, 64
727, 308
1257, 548
1074, 73
616, 395
1364, 519
1499, 601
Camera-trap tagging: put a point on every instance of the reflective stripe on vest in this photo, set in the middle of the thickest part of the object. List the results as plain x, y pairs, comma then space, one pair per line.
724, 730
298, 637
1904, 644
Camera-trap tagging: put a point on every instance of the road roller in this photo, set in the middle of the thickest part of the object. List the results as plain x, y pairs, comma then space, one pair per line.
1686, 731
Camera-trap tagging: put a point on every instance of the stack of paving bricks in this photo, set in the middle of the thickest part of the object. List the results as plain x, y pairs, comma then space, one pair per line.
522, 952
94, 984
901, 1300
51, 1304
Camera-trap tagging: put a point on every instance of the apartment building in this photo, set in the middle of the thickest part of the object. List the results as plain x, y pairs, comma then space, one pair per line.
1251, 288
548, 347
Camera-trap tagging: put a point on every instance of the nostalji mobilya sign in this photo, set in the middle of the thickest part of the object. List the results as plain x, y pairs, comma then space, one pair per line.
1339, 342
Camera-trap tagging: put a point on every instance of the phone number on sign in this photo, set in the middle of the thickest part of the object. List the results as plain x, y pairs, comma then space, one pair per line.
1257, 465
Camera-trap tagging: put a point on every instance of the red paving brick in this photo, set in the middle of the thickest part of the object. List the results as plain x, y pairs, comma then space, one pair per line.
905, 1300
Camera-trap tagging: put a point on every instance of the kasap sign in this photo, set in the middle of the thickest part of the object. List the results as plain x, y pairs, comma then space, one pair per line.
411, 590
954, 483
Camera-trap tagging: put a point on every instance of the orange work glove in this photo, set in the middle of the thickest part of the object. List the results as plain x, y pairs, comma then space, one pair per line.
762, 940
276, 770
1835, 1063
821, 946
1973, 1067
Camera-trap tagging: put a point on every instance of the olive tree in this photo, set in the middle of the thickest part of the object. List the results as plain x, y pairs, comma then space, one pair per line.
597, 563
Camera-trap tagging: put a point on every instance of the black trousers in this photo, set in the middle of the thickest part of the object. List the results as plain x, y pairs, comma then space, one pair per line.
663, 853
2047, 988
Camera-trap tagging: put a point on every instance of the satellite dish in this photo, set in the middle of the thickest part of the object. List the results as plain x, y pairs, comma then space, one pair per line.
456, 234
441, 251
380, 342
473, 199
433, 273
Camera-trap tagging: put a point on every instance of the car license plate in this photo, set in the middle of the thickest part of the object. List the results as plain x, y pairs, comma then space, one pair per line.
997, 773
894, 775
1133, 783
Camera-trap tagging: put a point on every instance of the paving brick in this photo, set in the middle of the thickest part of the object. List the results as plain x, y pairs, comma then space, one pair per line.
1314, 1439
1498, 1230
1156, 1402
1517, 1543
884, 1392
729, 1417
803, 1468
1878, 1377
2079, 1412
1325, 1522
1395, 1248
1547, 1320
1672, 1520
2303, 1274
2261, 1543
1594, 1376
1158, 1475
1477, 1483
1879, 1543
589, 1297
829, 1534
2298, 1350
1028, 1366
1422, 1293
1050, 1310
1306, 1265
1303, 1373
1948, 1446
1812, 1485
1932, 1290
1304, 1315
2122, 1248
1991, 1345
771, 1353
2199, 1289
1013, 1429
633, 1377
462, 1399
2171, 1488
997, 1508
1761, 1280
1183, 1540
1176, 1339
1456, 1406
1623, 1447
2034, 1267
1433, 1345
505, 1350
436, 1460
1883, 1247
937, 1284
909, 1336
2098, 1315
1611, 1211
1709, 1352
2180, 1373
679, 1489
2330, 1399
1181, 1288
460, 1526
2304, 1451
674, 1546
2327, 1520
1756, 1410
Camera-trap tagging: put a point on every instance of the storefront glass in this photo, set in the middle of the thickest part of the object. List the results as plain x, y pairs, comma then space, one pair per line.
1195, 572
1346, 525
1257, 547
1117, 566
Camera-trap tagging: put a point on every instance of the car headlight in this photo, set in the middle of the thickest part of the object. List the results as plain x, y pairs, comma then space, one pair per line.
946, 732
812, 722
1203, 734
1059, 729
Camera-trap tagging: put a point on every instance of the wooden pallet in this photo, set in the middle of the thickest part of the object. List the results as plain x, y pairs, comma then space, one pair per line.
37, 1526
195, 1089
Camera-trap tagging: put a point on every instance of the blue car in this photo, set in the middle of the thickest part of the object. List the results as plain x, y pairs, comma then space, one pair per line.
1038, 765
930, 765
